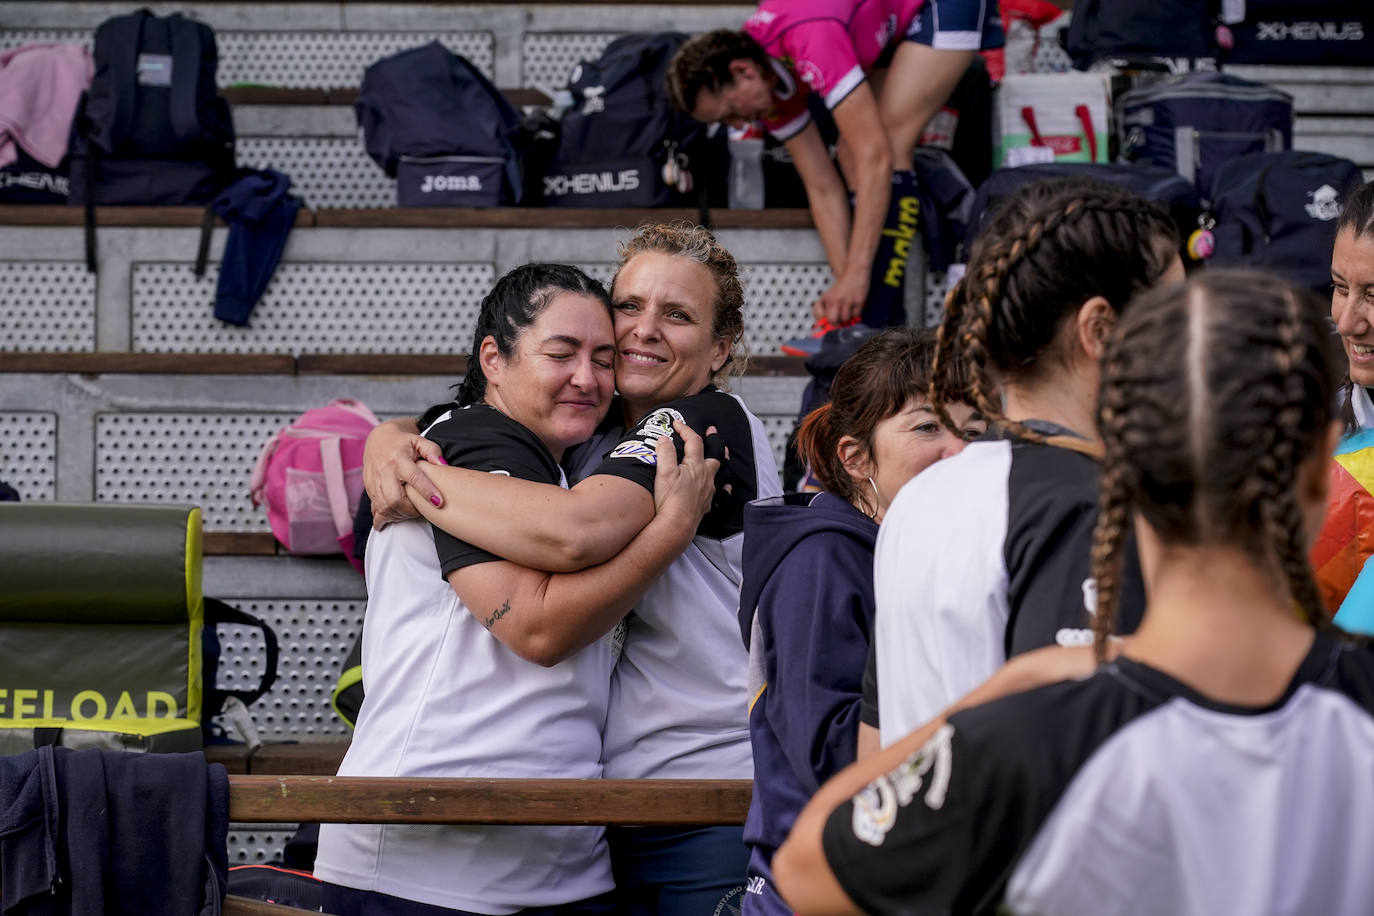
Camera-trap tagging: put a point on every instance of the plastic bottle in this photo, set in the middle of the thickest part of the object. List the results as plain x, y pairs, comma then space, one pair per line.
746, 167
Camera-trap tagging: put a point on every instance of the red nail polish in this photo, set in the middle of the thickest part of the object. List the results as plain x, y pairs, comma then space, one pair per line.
435, 500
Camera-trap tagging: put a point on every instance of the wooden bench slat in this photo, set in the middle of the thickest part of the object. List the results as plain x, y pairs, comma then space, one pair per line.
239, 544
150, 363
344, 95
235, 905
416, 217
446, 364
155, 217
543, 802
309, 758
552, 218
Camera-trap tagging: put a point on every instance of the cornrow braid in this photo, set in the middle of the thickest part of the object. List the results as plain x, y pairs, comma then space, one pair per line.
1282, 514
944, 352
1044, 251
1213, 396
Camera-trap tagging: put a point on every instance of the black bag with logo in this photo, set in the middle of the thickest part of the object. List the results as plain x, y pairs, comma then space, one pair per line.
1195, 123
1319, 33
152, 129
623, 144
1279, 211
433, 122
1104, 29
28, 181
1160, 185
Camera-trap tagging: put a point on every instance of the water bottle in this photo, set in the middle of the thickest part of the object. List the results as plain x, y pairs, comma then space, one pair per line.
746, 167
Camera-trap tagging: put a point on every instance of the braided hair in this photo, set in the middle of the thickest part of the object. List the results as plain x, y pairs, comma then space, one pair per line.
1041, 254
1213, 393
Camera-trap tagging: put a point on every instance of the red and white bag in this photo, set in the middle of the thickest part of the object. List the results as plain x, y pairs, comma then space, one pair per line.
310, 475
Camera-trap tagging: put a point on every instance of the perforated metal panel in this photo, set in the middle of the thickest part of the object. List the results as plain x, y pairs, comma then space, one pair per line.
329, 59
779, 427
325, 171
28, 454
937, 285
298, 59
777, 302
259, 843
46, 306
18, 37
315, 308
546, 59
205, 459
314, 637
1050, 56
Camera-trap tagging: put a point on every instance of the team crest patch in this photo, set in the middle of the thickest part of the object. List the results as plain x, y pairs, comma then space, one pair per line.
658, 425
876, 807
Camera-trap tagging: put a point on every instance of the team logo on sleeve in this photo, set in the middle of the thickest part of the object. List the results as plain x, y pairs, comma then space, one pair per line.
876, 807
640, 445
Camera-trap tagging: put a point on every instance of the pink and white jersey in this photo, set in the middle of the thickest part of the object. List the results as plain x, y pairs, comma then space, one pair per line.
825, 47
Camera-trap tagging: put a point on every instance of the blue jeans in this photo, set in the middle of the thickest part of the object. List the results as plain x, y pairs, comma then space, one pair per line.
662, 871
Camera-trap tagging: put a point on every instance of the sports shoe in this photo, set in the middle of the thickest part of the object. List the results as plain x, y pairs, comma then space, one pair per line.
810, 345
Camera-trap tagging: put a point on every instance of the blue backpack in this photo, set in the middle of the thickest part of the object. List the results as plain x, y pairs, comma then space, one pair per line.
1160, 185
152, 129
1279, 211
1194, 123
433, 122
622, 143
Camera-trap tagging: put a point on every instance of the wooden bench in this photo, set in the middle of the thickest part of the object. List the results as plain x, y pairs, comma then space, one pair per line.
417, 217
529, 802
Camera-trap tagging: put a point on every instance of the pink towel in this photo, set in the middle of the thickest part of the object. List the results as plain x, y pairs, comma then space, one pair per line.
39, 88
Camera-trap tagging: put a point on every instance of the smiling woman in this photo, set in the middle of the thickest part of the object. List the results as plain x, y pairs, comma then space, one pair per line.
678, 704
1352, 302
442, 611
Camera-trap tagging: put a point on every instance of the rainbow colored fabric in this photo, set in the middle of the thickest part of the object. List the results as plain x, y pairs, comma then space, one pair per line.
1342, 551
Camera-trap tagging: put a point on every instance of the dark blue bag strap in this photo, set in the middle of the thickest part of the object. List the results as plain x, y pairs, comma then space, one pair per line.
217, 612
126, 39
186, 53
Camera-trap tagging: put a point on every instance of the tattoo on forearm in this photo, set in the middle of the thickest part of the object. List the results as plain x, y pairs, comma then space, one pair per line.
497, 614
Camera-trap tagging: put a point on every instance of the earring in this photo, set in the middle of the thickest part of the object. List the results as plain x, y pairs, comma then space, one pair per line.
877, 500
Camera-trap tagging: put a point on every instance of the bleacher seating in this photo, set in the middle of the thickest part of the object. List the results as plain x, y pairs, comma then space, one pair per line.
120, 386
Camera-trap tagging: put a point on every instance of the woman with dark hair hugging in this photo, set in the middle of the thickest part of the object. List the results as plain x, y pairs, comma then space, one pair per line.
1216, 761
444, 696
679, 697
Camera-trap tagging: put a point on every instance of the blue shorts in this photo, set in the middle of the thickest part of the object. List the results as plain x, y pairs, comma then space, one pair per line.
958, 25
678, 871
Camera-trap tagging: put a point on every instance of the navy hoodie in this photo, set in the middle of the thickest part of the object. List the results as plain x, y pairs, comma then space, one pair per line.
806, 615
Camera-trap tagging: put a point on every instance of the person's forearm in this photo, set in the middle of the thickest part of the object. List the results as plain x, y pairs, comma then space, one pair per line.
801, 871
536, 524
871, 196
830, 212
550, 621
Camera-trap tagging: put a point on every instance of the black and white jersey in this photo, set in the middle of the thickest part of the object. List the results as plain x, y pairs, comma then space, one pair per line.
980, 557
482, 438
679, 703
446, 698
1129, 793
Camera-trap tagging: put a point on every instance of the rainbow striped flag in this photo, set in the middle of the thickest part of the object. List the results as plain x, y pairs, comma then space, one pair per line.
1341, 554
